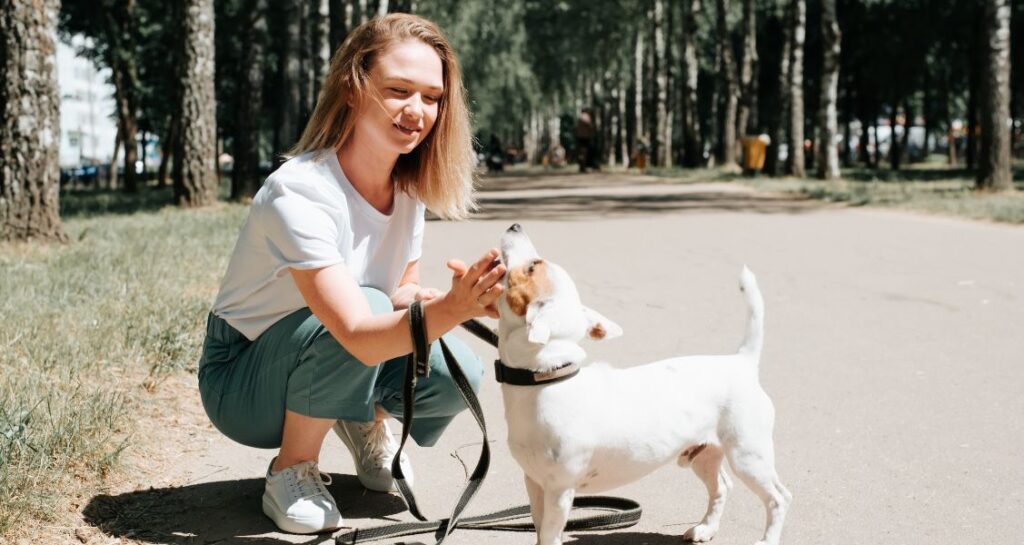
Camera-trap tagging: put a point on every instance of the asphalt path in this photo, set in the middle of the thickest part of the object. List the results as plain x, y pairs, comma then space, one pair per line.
894, 355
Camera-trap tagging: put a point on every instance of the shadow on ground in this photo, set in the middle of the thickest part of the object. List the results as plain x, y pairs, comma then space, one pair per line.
624, 538
519, 180
495, 206
215, 512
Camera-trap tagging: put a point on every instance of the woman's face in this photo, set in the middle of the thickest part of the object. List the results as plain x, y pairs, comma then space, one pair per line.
406, 85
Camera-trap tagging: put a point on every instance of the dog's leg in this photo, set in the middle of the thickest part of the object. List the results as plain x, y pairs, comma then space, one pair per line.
557, 505
756, 468
536, 494
708, 466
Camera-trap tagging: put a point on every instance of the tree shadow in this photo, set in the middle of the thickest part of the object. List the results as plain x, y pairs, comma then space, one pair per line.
226, 511
87, 203
605, 205
907, 175
562, 179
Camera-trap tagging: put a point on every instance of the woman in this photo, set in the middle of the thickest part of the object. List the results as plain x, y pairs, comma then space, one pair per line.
309, 330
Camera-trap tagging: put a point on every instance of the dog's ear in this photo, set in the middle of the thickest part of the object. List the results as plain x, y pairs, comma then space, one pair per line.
599, 327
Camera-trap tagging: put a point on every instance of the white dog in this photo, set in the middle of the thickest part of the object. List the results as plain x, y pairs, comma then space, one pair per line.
593, 429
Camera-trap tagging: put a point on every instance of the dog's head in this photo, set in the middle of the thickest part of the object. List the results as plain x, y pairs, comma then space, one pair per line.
542, 318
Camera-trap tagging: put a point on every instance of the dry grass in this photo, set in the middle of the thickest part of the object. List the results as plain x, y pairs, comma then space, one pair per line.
87, 326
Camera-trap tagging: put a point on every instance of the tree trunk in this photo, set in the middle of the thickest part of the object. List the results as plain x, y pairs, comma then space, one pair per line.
321, 44
908, 122
828, 155
745, 122
29, 123
167, 146
338, 27
796, 160
245, 176
623, 147
638, 88
197, 157
844, 158
291, 80
994, 158
947, 110
120, 57
894, 142
124, 95
772, 164
693, 155
363, 12
659, 144
728, 86
112, 171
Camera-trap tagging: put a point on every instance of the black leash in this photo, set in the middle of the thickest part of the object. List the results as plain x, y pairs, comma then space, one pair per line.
620, 512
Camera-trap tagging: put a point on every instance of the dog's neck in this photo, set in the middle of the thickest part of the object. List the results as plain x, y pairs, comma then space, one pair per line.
517, 351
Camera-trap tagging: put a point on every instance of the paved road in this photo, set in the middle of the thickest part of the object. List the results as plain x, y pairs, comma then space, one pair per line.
894, 353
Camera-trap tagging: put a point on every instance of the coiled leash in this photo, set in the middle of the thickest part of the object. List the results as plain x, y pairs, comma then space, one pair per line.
620, 512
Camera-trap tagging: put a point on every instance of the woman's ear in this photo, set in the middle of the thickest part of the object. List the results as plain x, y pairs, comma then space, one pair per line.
599, 327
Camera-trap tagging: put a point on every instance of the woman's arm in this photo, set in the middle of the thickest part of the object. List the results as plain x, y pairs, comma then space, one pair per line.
338, 301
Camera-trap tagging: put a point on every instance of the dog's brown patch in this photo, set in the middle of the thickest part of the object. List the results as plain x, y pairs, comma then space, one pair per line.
525, 284
597, 332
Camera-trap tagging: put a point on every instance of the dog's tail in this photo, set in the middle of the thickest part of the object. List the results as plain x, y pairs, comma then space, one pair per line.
755, 326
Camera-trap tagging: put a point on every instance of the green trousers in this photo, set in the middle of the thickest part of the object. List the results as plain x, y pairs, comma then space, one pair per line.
297, 364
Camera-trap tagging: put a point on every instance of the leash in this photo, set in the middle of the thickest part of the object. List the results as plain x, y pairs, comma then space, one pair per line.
619, 512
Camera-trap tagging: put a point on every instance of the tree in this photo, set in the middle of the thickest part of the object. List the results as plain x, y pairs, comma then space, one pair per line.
29, 123
660, 144
195, 182
994, 158
746, 118
113, 27
797, 33
828, 155
290, 59
245, 175
728, 87
692, 148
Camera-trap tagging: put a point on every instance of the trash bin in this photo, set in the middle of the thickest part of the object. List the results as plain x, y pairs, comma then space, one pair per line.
754, 153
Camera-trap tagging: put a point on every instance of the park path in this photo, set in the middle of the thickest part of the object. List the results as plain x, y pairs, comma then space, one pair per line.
893, 354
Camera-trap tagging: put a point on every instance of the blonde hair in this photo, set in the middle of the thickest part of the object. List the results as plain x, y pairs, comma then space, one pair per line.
439, 171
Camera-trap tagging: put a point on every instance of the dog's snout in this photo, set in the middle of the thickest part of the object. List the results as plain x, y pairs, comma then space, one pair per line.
515, 228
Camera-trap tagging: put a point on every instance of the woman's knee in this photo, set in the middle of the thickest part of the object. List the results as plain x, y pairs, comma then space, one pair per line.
449, 399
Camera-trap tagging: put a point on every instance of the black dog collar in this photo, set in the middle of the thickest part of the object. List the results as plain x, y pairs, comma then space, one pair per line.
524, 377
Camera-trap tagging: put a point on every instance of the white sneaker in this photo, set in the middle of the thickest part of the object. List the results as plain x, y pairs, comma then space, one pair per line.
297, 501
373, 449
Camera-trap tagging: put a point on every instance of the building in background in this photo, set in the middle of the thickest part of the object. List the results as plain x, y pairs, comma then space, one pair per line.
87, 125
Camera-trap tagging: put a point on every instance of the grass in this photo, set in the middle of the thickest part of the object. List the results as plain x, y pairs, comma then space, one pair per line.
87, 328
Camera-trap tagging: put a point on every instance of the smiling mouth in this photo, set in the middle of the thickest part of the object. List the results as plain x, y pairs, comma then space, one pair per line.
409, 131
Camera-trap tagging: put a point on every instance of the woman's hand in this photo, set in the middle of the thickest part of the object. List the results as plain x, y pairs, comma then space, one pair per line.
406, 294
475, 289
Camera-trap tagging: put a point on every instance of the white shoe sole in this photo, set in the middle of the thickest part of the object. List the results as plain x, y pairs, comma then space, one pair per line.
290, 526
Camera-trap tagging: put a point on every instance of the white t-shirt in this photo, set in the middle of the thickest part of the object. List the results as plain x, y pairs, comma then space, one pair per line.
306, 216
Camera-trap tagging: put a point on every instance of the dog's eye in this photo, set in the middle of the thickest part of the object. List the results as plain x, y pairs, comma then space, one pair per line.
533, 264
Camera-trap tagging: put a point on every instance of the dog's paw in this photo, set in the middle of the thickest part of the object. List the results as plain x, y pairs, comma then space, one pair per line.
700, 533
